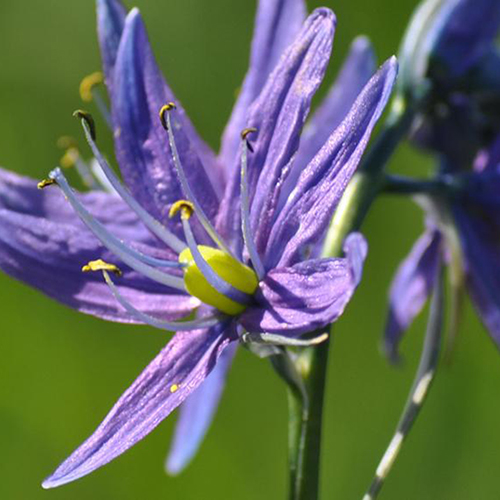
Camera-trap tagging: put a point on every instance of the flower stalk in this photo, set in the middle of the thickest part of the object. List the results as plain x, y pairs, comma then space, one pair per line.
305, 416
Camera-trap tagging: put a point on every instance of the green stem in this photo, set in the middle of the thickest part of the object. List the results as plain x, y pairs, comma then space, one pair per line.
305, 413
304, 441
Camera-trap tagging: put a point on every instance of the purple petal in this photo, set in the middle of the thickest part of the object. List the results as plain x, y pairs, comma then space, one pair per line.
169, 379
196, 414
309, 295
355, 73
481, 251
412, 285
49, 256
467, 35
142, 149
110, 23
20, 194
276, 25
278, 115
44, 244
308, 211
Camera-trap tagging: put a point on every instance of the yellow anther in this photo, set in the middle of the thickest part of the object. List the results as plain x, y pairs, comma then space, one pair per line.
168, 107
69, 158
46, 182
185, 207
88, 83
100, 265
71, 154
89, 121
246, 132
174, 388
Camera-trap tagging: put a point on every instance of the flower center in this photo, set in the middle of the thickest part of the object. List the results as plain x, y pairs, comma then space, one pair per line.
228, 268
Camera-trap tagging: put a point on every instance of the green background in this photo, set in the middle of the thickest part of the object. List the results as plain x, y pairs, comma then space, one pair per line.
60, 371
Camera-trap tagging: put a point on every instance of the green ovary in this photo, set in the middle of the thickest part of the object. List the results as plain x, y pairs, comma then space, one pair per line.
229, 269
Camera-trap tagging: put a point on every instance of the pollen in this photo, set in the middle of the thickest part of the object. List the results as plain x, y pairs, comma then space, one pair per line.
45, 182
174, 388
88, 83
168, 107
185, 207
100, 265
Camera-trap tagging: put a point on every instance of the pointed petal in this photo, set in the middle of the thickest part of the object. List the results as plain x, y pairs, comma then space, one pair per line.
412, 285
170, 378
196, 414
308, 295
479, 239
142, 149
44, 244
278, 115
110, 23
358, 68
309, 209
276, 25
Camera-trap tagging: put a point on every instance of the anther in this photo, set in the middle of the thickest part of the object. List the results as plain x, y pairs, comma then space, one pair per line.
185, 207
88, 119
71, 153
100, 265
244, 135
88, 83
174, 388
45, 182
168, 107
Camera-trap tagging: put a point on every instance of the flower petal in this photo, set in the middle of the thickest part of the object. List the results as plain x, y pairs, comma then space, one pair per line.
468, 32
44, 244
110, 23
49, 256
276, 25
410, 288
169, 379
20, 194
309, 295
142, 149
308, 211
358, 68
481, 251
278, 115
196, 414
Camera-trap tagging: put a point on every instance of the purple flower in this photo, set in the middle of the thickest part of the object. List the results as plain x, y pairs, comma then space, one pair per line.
473, 215
232, 240
449, 54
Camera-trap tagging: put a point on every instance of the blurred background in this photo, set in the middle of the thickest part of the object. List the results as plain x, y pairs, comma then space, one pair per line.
60, 372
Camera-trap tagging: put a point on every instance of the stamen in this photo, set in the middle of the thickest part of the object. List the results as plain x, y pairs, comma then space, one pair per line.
89, 91
88, 83
175, 326
245, 207
165, 118
155, 226
72, 158
187, 209
281, 340
133, 258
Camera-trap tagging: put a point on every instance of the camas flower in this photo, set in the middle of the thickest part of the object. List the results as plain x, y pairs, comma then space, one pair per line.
234, 240
450, 55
